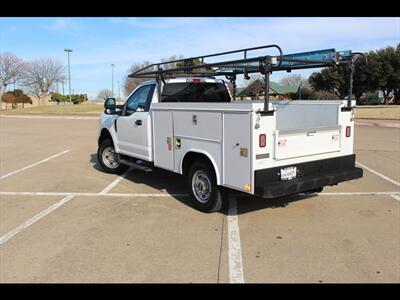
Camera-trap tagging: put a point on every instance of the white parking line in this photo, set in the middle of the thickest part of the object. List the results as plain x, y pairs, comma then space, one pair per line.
378, 174
92, 194
34, 219
116, 181
53, 207
77, 194
32, 165
397, 197
234, 249
358, 193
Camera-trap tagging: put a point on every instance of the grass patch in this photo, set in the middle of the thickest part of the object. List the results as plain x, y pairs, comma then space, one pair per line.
389, 112
78, 109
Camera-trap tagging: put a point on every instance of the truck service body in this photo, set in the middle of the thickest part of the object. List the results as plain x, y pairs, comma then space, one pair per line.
196, 128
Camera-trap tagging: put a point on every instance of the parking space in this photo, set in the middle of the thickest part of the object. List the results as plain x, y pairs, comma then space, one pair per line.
323, 239
379, 148
56, 226
117, 240
17, 209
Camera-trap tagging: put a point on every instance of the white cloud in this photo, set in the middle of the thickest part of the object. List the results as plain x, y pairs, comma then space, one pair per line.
204, 35
61, 24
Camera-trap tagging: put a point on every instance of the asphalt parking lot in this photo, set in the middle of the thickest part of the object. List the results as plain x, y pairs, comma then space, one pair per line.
63, 220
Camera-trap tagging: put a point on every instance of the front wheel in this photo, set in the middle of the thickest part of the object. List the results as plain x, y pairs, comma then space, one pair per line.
109, 159
202, 186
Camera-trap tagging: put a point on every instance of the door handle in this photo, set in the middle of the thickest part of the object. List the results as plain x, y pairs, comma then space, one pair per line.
138, 122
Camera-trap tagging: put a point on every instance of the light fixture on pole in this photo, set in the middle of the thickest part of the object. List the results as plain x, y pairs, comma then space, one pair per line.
112, 80
69, 75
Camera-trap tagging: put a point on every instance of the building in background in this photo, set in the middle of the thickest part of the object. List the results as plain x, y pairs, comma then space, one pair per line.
255, 91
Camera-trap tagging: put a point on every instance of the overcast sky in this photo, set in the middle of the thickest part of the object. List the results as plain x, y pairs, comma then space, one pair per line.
99, 42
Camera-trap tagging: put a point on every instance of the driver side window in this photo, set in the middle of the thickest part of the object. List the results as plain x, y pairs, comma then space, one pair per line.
139, 100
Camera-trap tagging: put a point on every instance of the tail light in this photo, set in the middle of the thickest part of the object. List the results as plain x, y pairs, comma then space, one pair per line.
195, 80
348, 131
262, 140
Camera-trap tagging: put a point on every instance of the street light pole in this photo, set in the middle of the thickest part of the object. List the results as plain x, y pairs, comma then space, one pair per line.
112, 80
119, 95
69, 75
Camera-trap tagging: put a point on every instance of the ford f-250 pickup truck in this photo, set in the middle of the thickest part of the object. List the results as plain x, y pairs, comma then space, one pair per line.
186, 121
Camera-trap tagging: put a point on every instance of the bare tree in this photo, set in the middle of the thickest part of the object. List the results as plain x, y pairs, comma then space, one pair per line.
11, 69
171, 58
62, 80
41, 74
104, 94
130, 84
256, 86
294, 80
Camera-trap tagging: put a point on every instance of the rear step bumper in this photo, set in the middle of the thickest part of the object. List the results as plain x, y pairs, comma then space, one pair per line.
311, 176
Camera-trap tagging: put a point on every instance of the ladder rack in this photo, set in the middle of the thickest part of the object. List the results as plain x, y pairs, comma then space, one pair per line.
196, 66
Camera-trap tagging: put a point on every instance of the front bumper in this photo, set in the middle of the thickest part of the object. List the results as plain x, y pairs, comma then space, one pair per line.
310, 176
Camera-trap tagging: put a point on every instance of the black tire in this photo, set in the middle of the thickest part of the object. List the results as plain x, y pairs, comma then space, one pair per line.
213, 202
118, 168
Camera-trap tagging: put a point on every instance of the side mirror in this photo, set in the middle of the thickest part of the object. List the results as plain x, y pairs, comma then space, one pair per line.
110, 105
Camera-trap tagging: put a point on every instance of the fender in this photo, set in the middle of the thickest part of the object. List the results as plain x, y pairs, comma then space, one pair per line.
213, 162
107, 122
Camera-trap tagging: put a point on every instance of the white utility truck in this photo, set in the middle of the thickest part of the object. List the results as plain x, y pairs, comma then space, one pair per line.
186, 121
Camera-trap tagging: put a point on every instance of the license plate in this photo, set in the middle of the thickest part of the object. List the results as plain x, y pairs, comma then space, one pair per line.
288, 173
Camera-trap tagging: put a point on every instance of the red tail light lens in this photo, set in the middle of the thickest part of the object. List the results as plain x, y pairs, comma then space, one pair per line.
262, 140
196, 80
348, 131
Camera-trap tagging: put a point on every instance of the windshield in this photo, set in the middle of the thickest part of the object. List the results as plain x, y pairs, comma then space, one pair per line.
195, 92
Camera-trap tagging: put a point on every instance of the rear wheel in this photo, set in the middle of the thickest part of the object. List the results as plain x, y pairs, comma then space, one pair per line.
109, 159
202, 186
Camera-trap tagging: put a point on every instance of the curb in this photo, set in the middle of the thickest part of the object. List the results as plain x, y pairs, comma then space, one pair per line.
63, 117
375, 124
50, 117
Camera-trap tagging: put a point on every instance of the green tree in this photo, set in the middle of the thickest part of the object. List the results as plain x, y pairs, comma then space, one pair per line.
20, 97
389, 73
9, 98
194, 62
382, 72
15, 97
75, 98
329, 80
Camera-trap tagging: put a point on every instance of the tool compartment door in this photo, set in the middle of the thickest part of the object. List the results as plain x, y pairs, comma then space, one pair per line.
163, 139
301, 143
237, 151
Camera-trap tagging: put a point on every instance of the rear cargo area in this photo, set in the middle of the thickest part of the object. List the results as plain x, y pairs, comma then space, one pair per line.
239, 139
310, 146
305, 128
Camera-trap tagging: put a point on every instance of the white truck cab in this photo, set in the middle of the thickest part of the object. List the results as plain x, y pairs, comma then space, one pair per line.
192, 125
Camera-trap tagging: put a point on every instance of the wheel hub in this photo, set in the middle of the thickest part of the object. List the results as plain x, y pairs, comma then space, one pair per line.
110, 158
201, 186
